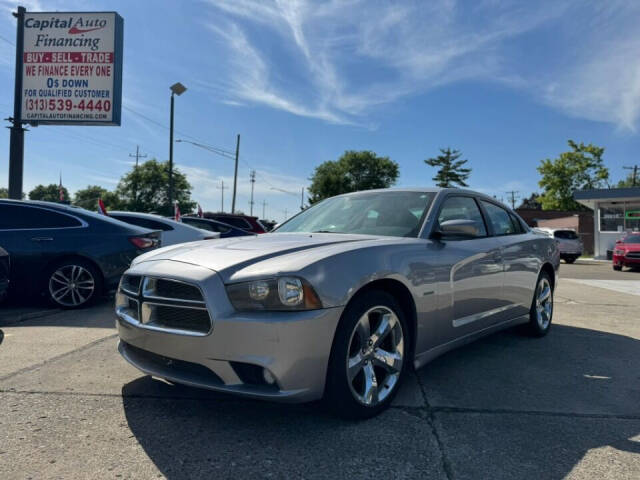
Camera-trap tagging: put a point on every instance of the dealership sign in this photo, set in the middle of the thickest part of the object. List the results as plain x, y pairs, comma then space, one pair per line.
72, 68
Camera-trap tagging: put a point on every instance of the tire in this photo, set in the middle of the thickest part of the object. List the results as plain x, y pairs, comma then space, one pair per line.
617, 268
541, 312
368, 386
72, 283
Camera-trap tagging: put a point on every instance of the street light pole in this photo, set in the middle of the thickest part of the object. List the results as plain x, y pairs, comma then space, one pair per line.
235, 177
176, 89
171, 154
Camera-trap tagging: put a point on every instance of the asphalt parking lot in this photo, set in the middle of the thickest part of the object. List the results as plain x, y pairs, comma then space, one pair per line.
508, 406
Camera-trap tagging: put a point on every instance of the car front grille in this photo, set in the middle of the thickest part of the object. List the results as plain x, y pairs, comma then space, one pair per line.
633, 255
171, 367
163, 304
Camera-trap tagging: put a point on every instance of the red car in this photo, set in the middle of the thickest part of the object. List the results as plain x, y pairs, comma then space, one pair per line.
626, 253
244, 222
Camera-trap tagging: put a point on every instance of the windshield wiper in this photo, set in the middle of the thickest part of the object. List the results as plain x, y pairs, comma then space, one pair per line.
325, 231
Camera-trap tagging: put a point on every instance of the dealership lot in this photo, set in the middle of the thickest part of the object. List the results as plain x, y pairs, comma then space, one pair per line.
507, 406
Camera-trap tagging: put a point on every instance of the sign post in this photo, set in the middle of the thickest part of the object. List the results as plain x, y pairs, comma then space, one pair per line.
16, 140
68, 72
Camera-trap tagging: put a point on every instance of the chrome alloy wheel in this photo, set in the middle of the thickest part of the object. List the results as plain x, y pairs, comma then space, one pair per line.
375, 357
544, 303
71, 285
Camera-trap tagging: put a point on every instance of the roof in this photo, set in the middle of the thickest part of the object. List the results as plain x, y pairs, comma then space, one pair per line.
608, 194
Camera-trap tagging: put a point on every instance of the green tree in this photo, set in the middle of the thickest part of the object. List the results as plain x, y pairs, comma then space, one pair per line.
146, 189
532, 203
88, 198
4, 192
630, 181
48, 193
579, 169
353, 171
452, 172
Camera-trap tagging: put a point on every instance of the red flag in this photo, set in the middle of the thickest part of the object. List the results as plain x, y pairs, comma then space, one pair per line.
176, 212
101, 208
200, 213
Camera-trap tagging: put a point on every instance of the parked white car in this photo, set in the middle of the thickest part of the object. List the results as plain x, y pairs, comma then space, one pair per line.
172, 232
568, 240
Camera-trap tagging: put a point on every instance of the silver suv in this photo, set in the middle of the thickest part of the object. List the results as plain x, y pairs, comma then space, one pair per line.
569, 243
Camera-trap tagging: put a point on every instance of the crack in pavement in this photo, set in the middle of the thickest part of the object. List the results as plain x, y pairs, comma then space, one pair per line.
57, 357
420, 412
430, 419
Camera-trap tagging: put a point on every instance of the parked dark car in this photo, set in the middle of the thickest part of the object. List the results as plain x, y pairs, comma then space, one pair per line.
244, 222
68, 254
225, 230
4, 273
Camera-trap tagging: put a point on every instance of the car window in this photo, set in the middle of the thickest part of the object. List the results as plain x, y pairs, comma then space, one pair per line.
499, 219
368, 213
517, 224
462, 208
236, 222
632, 239
144, 222
27, 217
204, 225
565, 234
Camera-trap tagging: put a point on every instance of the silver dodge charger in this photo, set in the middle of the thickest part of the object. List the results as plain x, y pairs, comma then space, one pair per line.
340, 301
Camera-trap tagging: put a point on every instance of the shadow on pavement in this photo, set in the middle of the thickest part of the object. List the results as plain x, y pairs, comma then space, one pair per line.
219, 436
98, 315
507, 406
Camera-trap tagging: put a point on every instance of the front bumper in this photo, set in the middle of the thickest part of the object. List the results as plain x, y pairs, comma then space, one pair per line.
626, 261
293, 346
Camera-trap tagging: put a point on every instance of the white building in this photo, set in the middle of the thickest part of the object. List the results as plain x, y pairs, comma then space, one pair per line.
616, 211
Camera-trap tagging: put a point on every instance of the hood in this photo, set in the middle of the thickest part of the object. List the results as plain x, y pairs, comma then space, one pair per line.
238, 252
629, 247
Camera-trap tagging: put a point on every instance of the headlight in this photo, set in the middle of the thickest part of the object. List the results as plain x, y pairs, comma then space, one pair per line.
618, 252
283, 293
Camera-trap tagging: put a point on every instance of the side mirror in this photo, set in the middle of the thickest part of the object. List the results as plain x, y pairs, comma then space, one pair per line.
458, 228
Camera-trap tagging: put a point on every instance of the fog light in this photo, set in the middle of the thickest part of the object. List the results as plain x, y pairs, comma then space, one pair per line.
268, 377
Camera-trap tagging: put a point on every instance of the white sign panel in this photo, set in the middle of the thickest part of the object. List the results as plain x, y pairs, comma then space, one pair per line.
72, 68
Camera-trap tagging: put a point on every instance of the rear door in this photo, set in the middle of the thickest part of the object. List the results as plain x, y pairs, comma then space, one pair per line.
472, 294
33, 236
520, 265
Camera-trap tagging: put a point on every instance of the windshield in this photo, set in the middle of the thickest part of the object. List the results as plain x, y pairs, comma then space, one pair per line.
391, 213
632, 239
566, 234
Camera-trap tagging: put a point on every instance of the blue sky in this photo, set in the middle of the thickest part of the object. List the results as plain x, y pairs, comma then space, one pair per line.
505, 82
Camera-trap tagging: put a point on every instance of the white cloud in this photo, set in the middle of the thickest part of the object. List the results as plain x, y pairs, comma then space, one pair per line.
338, 60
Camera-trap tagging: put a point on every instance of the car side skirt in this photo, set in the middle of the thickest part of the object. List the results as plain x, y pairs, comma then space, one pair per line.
425, 357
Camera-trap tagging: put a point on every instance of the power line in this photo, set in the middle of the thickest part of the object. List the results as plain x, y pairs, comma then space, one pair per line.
8, 41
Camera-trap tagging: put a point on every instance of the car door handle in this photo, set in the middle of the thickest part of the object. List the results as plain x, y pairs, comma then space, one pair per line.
42, 239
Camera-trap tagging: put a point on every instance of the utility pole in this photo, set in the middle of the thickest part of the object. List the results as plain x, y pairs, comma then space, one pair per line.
222, 196
634, 177
302, 200
235, 177
252, 179
264, 205
285, 213
135, 183
514, 196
